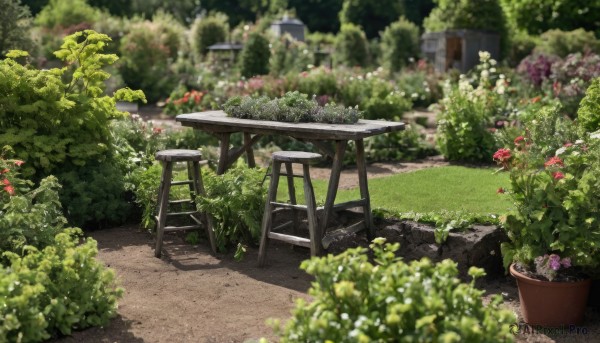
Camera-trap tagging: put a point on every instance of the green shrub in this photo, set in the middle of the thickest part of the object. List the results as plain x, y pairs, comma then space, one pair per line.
318, 81
14, 32
66, 13
28, 216
400, 42
255, 56
521, 46
236, 202
55, 290
463, 129
372, 15
351, 46
208, 31
422, 86
562, 43
147, 52
354, 300
144, 183
588, 114
290, 55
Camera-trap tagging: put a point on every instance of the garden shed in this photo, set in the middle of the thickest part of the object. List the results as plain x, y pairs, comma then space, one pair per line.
293, 26
225, 52
458, 49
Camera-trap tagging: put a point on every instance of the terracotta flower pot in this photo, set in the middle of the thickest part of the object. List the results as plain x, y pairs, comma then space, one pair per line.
551, 304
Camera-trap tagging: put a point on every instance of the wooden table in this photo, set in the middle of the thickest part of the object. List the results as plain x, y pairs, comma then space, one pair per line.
220, 125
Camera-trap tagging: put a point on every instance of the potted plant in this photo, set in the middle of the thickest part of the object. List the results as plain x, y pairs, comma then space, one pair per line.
554, 230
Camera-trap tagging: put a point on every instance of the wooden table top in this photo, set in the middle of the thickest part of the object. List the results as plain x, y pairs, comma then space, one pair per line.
218, 121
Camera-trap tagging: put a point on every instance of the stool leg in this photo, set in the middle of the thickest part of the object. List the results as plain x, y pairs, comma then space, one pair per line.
268, 215
199, 189
364, 188
311, 208
292, 193
163, 206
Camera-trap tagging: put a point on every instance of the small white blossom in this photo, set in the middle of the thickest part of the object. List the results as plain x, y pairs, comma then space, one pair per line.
305, 51
595, 135
493, 62
560, 151
492, 70
579, 141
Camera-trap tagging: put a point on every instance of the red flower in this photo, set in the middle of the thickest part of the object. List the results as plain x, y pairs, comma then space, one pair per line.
519, 140
6, 182
554, 161
156, 130
502, 155
558, 175
4, 171
10, 190
19, 163
500, 190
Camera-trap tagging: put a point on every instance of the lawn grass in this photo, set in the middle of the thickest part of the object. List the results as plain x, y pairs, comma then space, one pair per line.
451, 188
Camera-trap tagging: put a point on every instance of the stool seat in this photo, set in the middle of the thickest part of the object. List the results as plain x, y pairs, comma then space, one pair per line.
296, 156
178, 155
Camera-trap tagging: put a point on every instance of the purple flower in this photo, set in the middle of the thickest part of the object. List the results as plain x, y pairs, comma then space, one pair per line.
554, 264
566, 262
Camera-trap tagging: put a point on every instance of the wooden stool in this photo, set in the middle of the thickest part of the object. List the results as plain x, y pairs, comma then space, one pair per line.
314, 243
192, 158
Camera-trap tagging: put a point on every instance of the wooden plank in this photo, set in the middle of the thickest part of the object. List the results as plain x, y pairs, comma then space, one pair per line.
292, 194
223, 153
286, 205
249, 152
295, 240
282, 226
218, 121
163, 206
268, 215
235, 153
364, 188
313, 225
182, 228
186, 213
178, 183
334, 180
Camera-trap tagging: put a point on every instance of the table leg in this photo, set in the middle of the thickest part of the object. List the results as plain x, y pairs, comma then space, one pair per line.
223, 153
334, 181
249, 151
364, 187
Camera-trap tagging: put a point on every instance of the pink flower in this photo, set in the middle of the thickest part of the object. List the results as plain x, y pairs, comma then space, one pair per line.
568, 144
558, 175
554, 161
565, 262
502, 155
519, 139
18, 163
554, 262
10, 190
6, 182
4, 171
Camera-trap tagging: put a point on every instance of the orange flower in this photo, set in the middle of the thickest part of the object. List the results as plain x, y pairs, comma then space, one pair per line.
10, 190
554, 161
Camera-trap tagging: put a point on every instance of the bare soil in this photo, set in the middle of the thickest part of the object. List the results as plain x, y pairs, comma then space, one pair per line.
191, 296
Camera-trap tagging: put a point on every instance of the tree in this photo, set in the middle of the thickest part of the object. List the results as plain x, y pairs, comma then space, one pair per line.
351, 46
66, 13
208, 31
400, 42
372, 15
255, 55
15, 21
536, 16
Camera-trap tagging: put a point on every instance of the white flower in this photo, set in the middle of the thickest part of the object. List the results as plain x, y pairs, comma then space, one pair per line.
579, 141
485, 74
595, 135
493, 62
310, 66
369, 74
246, 27
305, 51
414, 95
380, 69
359, 77
411, 60
502, 76
492, 70
560, 151
484, 56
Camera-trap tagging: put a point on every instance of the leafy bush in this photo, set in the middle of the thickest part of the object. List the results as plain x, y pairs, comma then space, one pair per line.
292, 107
536, 68
236, 202
357, 301
55, 290
255, 56
372, 15
318, 81
561, 43
521, 46
27, 216
571, 77
400, 42
421, 85
183, 101
290, 55
66, 13
208, 31
588, 114
16, 21
351, 46
144, 183
147, 52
